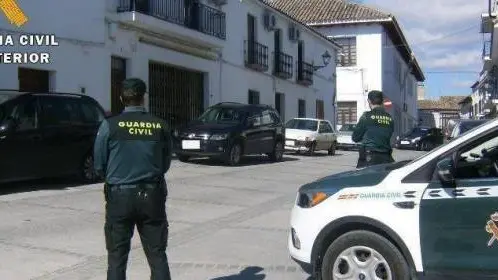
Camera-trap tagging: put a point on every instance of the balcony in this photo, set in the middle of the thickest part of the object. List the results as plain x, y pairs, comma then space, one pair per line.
304, 73
486, 50
256, 56
487, 23
283, 65
175, 17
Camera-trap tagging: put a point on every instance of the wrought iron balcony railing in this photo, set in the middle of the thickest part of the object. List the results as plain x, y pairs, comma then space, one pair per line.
304, 73
190, 14
283, 65
256, 55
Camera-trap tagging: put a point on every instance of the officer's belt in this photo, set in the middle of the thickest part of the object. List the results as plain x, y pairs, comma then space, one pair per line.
377, 152
148, 184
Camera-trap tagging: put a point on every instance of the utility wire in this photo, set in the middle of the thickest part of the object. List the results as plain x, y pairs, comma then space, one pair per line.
452, 72
435, 39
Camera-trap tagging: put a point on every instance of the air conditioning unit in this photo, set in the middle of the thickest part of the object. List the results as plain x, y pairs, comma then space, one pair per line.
294, 33
219, 2
269, 21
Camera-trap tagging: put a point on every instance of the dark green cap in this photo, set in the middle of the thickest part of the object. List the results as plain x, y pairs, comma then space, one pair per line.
375, 95
134, 87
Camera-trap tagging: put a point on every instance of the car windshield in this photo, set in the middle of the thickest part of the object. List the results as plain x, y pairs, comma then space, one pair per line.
347, 127
311, 125
222, 115
466, 126
4, 97
436, 150
418, 131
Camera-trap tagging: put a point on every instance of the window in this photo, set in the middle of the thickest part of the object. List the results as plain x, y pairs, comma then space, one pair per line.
301, 108
90, 112
478, 160
25, 114
253, 97
320, 109
56, 111
348, 52
266, 118
346, 112
275, 117
325, 128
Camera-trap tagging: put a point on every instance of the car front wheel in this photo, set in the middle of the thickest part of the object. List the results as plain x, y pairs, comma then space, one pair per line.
234, 155
278, 152
364, 255
332, 149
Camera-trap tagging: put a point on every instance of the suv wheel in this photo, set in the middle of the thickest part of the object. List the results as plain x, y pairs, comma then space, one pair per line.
87, 172
332, 149
364, 255
234, 155
278, 152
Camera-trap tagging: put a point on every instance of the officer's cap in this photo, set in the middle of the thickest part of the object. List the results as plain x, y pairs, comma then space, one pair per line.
375, 95
134, 87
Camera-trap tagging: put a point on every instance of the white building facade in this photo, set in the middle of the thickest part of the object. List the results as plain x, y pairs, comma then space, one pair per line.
375, 56
485, 90
192, 54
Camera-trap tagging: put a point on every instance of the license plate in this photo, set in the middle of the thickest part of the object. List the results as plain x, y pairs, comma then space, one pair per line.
405, 142
191, 144
289, 143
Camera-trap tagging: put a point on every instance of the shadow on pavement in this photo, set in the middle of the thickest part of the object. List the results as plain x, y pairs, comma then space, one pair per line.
37, 185
249, 273
244, 161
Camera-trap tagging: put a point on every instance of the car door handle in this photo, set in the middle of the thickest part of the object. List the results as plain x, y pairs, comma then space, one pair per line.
405, 204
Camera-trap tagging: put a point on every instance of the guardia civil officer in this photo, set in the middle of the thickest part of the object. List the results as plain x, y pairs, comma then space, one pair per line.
374, 131
133, 152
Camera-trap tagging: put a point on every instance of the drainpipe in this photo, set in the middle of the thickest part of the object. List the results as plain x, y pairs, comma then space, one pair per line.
220, 76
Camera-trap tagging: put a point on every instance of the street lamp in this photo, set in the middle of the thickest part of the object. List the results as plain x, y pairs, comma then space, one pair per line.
326, 60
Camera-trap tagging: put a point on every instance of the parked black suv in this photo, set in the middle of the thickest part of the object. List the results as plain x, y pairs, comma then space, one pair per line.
229, 130
420, 139
44, 135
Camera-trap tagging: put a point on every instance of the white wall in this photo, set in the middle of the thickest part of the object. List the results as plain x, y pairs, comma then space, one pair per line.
76, 65
376, 58
354, 82
399, 85
238, 79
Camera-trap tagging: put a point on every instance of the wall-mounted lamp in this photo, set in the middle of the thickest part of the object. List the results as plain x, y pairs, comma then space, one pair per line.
326, 60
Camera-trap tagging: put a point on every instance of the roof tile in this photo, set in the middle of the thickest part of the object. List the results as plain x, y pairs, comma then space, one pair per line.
326, 11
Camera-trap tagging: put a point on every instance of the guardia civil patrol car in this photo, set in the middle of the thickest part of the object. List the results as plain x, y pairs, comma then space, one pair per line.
435, 217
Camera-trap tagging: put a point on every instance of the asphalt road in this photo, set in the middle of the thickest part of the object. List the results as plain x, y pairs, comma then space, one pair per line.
225, 222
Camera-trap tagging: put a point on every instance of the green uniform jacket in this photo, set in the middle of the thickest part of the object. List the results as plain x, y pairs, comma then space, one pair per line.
132, 147
374, 130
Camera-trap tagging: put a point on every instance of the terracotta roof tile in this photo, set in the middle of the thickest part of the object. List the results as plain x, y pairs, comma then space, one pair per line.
326, 11
444, 102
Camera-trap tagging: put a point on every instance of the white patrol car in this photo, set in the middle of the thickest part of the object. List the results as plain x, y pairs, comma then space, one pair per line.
435, 217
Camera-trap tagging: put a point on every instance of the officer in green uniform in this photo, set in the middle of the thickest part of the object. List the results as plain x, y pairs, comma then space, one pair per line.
374, 131
133, 152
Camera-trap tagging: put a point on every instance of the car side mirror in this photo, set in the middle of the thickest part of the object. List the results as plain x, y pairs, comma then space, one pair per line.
445, 170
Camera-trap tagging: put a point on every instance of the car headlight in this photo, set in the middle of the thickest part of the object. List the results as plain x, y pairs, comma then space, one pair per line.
217, 137
308, 200
415, 139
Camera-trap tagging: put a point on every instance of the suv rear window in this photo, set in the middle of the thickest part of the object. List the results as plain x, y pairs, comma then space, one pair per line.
218, 114
69, 110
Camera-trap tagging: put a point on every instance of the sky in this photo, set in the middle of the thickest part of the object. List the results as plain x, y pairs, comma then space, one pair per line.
445, 37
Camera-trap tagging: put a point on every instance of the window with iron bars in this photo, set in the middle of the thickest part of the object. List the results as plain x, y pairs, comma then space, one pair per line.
348, 52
